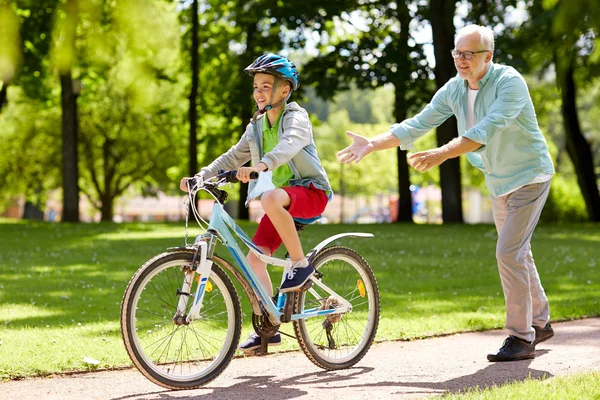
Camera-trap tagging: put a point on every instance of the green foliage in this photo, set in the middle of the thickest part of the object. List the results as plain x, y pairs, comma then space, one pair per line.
130, 108
375, 174
565, 203
29, 149
10, 54
364, 106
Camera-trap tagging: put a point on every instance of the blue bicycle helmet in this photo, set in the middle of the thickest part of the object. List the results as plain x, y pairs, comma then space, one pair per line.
275, 65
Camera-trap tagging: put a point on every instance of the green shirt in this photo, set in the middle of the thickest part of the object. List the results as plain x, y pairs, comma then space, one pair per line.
283, 174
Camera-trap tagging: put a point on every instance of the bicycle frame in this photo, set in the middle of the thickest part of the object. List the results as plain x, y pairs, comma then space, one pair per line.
223, 227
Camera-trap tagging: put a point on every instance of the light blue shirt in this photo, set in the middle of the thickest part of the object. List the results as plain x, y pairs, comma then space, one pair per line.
514, 151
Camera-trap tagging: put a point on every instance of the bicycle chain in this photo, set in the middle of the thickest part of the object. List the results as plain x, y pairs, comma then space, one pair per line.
263, 326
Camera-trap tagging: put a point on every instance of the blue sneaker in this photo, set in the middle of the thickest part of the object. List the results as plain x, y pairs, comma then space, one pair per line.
296, 278
253, 342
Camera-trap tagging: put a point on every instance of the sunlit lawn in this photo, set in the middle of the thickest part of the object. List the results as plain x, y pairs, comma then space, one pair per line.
571, 387
61, 285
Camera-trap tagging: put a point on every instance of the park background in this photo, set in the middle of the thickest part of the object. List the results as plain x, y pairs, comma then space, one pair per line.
105, 105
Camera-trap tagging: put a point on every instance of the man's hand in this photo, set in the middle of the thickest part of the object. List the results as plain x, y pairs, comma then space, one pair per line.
425, 160
356, 151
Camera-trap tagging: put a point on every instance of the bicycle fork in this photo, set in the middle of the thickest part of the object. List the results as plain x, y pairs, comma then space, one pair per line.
205, 247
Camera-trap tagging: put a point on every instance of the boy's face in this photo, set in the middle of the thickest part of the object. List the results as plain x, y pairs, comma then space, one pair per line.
263, 90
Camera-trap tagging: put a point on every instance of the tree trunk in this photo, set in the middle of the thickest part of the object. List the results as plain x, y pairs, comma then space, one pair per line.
69, 150
193, 107
442, 25
193, 98
246, 109
3, 95
400, 111
577, 147
107, 208
32, 212
404, 195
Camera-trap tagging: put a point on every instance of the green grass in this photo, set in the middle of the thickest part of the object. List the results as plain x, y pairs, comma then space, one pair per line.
61, 285
570, 387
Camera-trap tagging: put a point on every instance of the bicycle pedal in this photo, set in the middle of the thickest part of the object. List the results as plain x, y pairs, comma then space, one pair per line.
306, 286
254, 353
288, 308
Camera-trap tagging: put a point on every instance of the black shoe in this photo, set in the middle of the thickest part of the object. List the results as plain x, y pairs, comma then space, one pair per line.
543, 334
296, 278
513, 349
253, 342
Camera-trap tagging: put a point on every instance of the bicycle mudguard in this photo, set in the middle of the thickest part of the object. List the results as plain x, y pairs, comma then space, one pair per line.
317, 249
234, 271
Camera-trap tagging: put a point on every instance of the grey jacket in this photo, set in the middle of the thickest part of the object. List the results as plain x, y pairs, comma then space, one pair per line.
296, 147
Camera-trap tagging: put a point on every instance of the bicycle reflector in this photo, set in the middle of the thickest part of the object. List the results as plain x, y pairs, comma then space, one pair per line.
208, 284
361, 288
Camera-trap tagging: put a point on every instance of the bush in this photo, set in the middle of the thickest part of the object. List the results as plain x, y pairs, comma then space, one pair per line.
565, 202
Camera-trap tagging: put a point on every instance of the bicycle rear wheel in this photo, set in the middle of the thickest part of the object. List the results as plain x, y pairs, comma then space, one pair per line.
339, 341
179, 356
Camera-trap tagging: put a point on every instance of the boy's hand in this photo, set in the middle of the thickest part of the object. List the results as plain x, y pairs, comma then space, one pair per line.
356, 151
243, 174
183, 184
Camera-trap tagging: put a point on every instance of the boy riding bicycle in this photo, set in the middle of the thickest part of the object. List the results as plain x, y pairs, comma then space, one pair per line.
279, 140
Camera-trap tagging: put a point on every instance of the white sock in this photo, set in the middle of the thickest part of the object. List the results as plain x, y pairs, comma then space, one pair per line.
301, 264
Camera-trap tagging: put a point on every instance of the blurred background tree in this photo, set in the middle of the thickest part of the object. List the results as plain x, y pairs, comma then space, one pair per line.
106, 98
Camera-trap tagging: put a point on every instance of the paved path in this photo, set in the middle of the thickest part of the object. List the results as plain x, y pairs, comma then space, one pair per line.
403, 370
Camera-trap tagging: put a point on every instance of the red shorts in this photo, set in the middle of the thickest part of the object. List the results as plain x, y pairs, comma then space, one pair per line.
305, 202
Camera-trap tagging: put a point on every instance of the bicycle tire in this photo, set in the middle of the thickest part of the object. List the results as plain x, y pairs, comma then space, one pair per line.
340, 266
148, 332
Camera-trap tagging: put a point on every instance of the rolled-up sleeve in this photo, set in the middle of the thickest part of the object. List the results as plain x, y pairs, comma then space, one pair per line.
512, 97
432, 116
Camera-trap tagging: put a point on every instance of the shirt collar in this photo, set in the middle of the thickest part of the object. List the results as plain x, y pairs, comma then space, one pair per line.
266, 124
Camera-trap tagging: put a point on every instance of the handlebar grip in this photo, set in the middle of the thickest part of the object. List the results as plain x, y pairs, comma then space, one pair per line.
230, 175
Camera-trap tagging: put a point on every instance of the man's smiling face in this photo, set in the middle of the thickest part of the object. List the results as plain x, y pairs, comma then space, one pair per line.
474, 69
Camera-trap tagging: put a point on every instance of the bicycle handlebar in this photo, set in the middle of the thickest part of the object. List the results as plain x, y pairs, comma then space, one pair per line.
228, 176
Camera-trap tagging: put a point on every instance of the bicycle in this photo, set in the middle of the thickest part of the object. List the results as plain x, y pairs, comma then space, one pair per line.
181, 316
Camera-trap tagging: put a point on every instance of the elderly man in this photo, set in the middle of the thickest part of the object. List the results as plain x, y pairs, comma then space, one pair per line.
498, 132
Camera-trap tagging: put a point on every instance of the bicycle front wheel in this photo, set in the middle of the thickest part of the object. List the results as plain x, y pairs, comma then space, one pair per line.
177, 355
338, 341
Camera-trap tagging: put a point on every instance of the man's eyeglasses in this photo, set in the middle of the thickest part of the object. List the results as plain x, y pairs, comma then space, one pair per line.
467, 55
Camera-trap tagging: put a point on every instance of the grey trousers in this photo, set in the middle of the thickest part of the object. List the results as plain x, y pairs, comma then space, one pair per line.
516, 216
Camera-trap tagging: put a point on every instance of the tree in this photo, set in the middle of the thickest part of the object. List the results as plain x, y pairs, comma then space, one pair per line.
128, 60
193, 98
29, 148
564, 34
130, 112
385, 53
441, 15
10, 54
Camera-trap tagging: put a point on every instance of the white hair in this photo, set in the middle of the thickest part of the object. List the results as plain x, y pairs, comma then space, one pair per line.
486, 35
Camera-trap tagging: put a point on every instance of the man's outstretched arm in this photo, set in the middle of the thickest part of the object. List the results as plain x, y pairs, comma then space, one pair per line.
361, 146
425, 160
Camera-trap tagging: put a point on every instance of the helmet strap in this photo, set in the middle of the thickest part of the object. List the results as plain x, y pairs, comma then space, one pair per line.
270, 105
